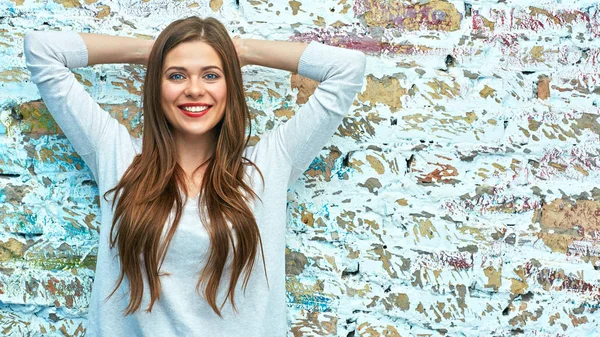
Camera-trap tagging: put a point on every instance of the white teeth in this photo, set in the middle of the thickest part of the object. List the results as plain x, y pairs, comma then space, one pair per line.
194, 108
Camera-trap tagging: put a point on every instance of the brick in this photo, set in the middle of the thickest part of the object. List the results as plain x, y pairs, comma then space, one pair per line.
434, 15
555, 19
296, 12
46, 289
563, 222
451, 200
49, 322
34, 119
55, 154
314, 323
543, 90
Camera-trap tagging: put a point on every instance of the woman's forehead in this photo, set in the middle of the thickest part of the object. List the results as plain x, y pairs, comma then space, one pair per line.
194, 55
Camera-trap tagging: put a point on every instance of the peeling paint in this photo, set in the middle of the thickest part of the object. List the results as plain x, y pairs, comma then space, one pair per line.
458, 197
433, 15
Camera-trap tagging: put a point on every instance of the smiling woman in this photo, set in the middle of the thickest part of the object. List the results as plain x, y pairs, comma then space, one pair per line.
188, 64
193, 86
192, 203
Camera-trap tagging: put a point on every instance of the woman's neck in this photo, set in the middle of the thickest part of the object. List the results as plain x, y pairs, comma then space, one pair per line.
193, 153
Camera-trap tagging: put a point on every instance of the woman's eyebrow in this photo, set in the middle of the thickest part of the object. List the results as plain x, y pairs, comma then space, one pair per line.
185, 70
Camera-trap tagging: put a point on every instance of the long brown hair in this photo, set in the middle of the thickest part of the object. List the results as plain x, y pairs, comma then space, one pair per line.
150, 186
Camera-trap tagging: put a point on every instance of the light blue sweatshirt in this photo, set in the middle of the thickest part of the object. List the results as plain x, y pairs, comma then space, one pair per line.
282, 155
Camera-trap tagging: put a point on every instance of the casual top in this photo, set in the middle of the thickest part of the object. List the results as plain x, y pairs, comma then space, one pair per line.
282, 155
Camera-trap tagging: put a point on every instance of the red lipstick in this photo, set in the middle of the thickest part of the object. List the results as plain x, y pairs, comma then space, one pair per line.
194, 114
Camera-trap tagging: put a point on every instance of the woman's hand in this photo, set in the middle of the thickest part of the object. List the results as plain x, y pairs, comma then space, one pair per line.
241, 50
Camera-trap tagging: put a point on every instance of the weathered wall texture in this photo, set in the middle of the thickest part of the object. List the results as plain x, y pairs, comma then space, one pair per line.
459, 197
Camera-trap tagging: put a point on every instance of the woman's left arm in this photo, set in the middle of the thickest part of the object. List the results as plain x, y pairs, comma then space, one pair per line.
272, 54
340, 73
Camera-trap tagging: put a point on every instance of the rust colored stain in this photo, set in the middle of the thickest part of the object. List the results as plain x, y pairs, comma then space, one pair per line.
308, 218
255, 95
494, 277
386, 90
564, 221
487, 91
402, 301
306, 87
51, 285
215, 5
284, 112
104, 12
295, 6
434, 15
543, 88
440, 174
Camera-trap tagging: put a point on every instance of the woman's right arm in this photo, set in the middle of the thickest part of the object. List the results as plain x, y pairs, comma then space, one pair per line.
116, 49
50, 56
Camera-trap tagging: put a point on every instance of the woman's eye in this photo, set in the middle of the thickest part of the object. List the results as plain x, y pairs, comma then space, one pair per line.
176, 77
212, 76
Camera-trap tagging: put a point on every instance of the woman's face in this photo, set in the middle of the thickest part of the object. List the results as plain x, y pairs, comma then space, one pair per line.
193, 91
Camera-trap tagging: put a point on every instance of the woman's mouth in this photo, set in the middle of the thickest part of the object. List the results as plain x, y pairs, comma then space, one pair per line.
195, 111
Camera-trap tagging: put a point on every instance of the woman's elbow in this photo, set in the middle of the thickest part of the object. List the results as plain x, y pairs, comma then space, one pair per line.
30, 42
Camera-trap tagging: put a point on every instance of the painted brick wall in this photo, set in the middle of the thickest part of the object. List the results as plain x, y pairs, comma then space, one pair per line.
460, 197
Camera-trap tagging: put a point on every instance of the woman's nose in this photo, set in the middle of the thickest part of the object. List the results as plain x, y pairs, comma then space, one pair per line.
195, 88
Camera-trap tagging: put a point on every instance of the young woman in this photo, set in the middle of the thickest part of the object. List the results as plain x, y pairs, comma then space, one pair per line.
192, 236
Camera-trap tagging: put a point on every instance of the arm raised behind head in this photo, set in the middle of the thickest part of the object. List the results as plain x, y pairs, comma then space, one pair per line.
340, 73
116, 49
50, 56
272, 54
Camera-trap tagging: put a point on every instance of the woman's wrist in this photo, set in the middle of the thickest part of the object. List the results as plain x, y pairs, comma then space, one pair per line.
144, 51
241, 50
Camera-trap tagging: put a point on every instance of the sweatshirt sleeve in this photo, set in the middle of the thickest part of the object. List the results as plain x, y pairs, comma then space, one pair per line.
341, 73
49, 57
